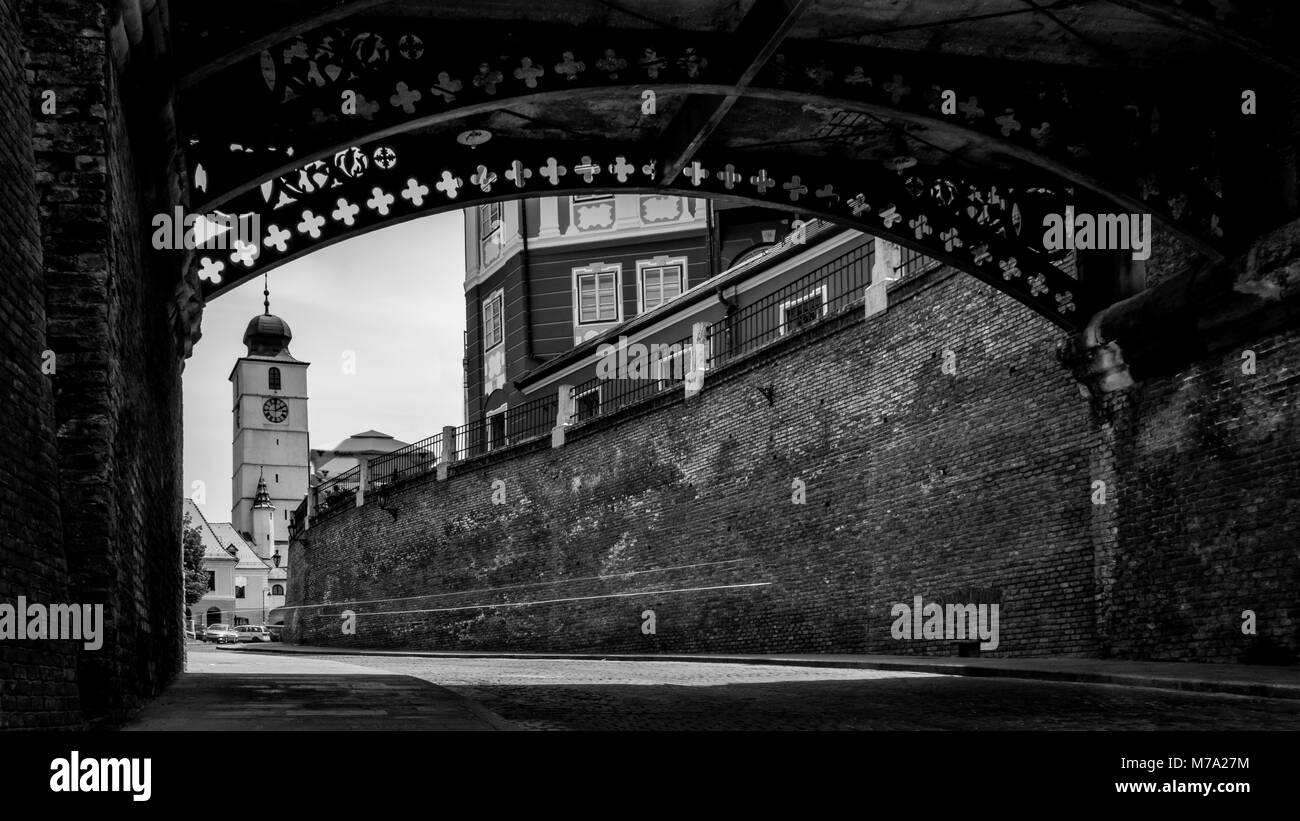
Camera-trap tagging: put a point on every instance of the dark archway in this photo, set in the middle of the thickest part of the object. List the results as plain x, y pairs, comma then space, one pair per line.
953, 136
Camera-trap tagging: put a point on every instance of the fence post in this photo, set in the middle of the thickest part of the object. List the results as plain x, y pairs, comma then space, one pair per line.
363, 476
448, 451
563, 414
699, 358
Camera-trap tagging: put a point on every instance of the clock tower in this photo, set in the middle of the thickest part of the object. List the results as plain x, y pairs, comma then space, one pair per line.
270, 431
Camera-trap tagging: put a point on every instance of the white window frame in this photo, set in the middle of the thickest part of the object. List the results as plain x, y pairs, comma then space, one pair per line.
642, 265
499, 295
488, 419
578, 397
494, 239
596, 270
819, 291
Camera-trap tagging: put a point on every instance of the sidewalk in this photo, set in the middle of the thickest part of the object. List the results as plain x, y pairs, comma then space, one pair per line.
1228, 679
244, 691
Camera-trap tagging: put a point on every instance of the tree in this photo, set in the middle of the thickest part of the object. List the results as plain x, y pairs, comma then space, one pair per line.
196, 578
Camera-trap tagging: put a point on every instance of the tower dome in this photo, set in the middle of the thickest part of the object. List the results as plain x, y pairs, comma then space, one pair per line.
267, 334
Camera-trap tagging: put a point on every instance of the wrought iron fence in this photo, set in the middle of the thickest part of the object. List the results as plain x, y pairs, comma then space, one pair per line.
531, 419
912, 263
337, 492
407, 462
825, 292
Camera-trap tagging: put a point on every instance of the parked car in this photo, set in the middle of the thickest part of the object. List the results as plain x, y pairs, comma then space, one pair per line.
276, 631
252, 632
220, 634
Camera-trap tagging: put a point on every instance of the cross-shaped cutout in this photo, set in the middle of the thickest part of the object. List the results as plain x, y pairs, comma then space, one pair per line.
827, 192
570, 66
621, 169
762, 182
415, 192
405, 98
587, 169
311, 224
649, 169
245, 253
1037, 284
211, 271
796, 187
449, 185
346, 212
483, 178
552, 171
859, 204
379, 201
529, 72
729, 176
696, 173
890, 216
277, 237
447, 87
518, 174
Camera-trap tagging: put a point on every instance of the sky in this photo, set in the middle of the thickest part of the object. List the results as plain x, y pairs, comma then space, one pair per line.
394, 298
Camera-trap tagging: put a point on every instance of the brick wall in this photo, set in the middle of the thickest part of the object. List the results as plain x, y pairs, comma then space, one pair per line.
917, 483
974, 487
101, 169
37, 678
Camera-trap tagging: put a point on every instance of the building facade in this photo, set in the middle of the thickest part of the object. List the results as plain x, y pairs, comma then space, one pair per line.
546, 275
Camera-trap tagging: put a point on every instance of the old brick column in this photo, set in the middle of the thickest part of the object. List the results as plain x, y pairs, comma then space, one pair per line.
102, 168
37, 679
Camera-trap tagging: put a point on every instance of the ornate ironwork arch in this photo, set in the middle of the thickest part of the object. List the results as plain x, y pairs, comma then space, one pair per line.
981, 227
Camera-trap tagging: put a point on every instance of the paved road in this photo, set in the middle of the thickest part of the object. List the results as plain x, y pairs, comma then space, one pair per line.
230, 689
650, 695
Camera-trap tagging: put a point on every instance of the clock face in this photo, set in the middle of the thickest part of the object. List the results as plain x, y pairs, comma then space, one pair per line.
275, 410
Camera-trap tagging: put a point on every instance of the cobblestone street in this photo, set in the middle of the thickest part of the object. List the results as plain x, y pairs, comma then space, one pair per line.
650, 695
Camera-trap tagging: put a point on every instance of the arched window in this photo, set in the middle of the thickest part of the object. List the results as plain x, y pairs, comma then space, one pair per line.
277, 590
273, 379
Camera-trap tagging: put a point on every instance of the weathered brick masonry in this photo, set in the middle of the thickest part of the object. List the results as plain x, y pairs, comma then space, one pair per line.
37, 679
968, 487
99, 169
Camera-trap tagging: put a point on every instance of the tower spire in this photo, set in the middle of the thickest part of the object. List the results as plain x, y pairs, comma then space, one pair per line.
266, 294
262, 499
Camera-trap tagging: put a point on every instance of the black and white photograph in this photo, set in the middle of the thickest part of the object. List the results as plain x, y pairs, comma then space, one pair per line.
745, 387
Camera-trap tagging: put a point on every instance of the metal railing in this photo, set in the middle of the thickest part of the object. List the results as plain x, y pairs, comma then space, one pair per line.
406, 463
913, 263
337, 492
825, 292
531, 419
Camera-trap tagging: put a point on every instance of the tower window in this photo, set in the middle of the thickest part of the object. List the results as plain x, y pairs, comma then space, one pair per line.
493, 320
277, 590
491, 234
273, 379
277, 477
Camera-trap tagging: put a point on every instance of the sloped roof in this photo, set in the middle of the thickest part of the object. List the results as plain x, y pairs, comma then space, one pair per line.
217, 536
248, 558
213, 547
